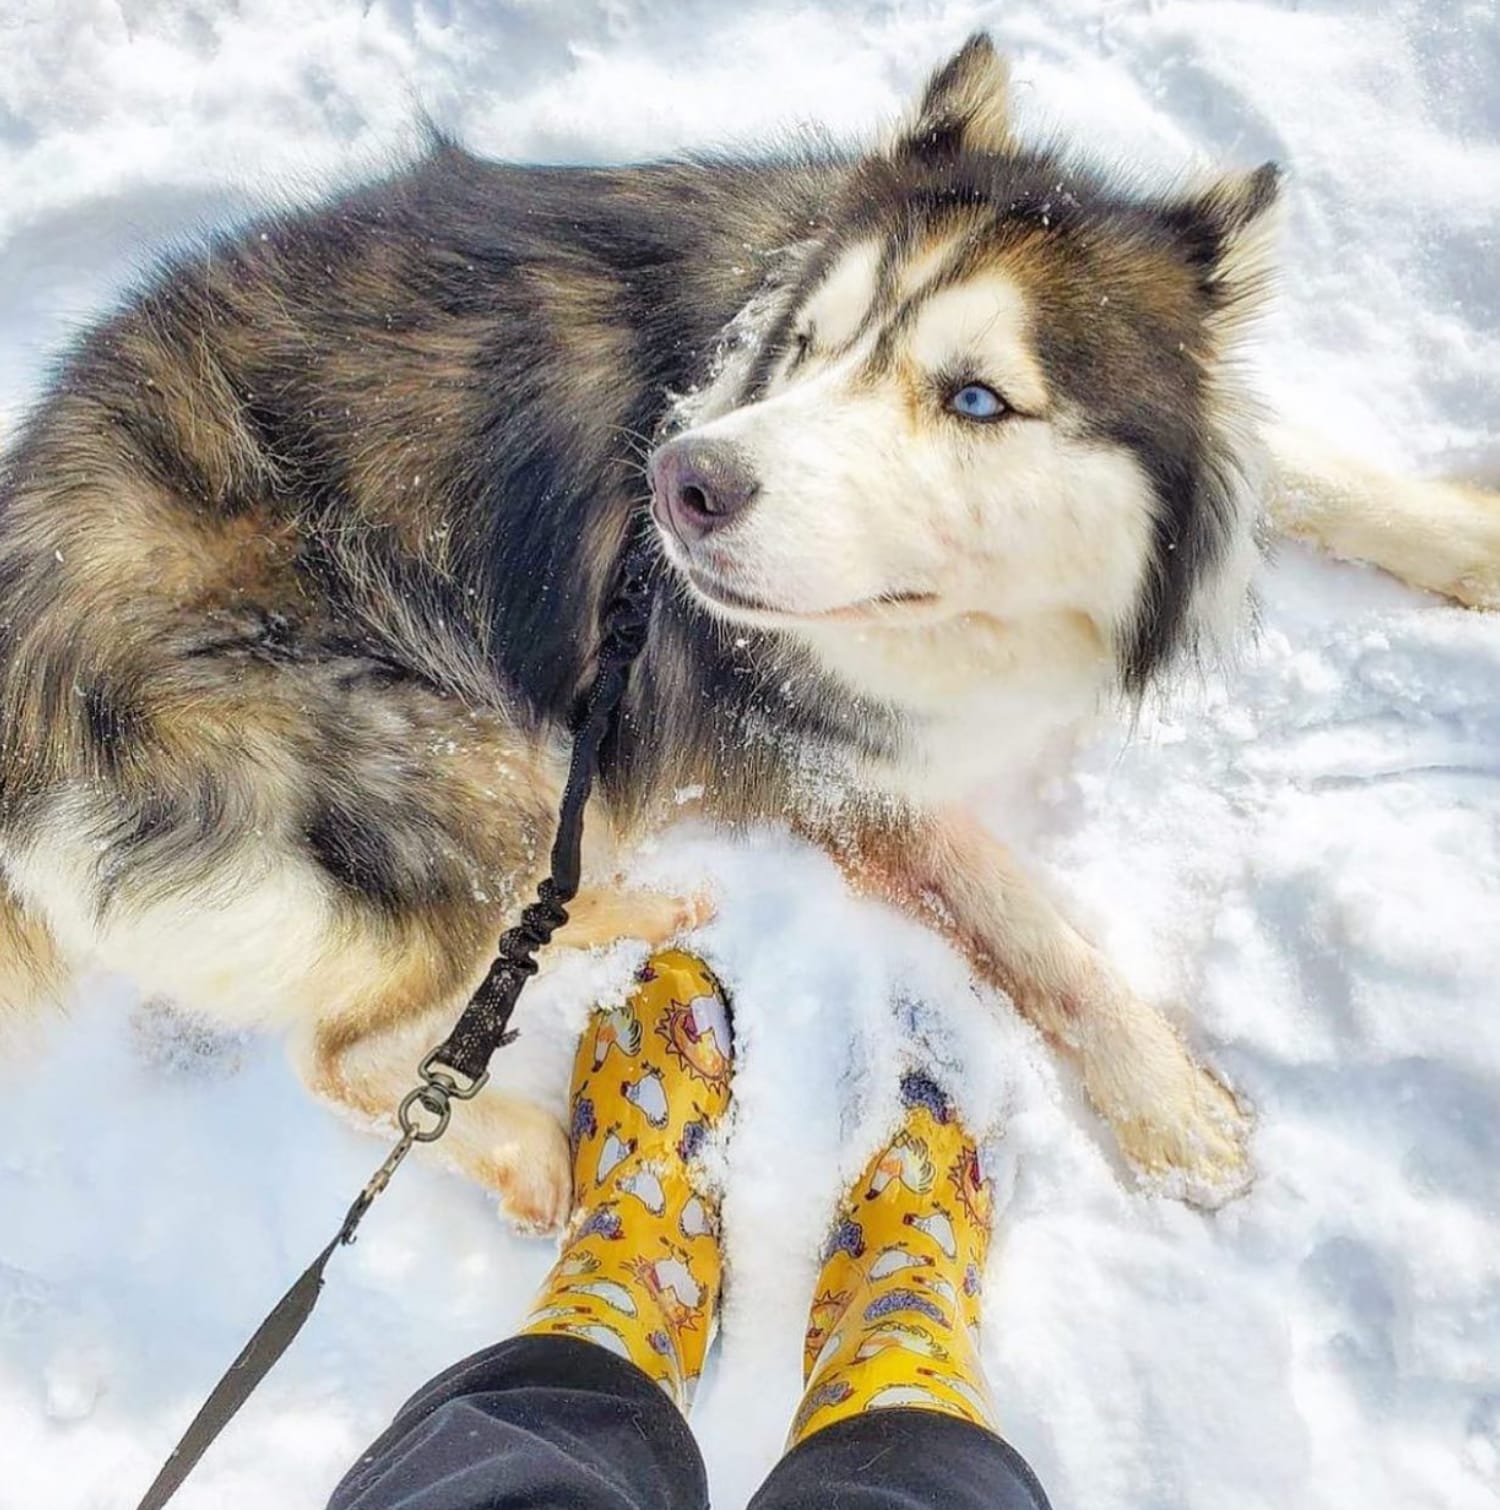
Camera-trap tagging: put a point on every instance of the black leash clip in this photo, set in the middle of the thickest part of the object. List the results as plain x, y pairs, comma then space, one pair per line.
439, 1089
435, 1095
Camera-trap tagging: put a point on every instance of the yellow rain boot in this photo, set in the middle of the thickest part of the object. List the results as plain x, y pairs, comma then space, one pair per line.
895, 1318
640, 1265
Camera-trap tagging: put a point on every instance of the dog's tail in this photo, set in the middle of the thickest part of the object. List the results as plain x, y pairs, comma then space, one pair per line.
1444, 536
33, 974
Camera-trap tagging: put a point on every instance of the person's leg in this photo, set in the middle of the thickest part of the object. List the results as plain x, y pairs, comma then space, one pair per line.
896, 1413
584, 1410
906, 1459
535, 1421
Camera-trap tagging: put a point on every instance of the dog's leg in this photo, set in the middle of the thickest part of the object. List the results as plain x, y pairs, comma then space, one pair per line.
1444, 536
366, 992
599, 916
367, 1062
510, 1144
1175, 1121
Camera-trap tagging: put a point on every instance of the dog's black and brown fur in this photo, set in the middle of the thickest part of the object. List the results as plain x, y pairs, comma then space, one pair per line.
302, 553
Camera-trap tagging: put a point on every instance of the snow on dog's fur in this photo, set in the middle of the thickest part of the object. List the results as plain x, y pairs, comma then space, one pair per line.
302, 556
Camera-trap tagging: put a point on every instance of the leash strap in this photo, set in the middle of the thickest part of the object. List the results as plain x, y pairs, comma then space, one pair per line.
483, 1026
459, 1067
274, 1335
256, 1359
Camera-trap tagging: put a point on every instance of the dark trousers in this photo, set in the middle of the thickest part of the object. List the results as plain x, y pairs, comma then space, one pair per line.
554, 1423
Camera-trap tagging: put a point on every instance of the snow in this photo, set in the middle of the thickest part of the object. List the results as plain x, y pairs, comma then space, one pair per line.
1301, 858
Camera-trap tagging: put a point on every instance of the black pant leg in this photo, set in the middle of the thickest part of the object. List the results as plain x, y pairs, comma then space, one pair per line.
902, 1460
536, 1423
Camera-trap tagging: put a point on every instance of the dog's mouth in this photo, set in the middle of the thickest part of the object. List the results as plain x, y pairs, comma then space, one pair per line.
882, 605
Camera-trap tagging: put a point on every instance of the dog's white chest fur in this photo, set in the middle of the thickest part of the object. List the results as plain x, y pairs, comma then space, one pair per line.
982, 700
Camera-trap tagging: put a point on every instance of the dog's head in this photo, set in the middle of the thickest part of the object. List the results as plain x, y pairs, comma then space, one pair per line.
997, 391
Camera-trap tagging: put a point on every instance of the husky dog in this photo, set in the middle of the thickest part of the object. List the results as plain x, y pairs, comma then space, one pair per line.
301, 558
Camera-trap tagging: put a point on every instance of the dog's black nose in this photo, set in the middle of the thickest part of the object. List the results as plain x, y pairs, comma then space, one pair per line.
698, 486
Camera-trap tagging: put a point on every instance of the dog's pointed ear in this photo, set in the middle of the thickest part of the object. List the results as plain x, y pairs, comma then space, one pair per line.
965, 107
1229, 229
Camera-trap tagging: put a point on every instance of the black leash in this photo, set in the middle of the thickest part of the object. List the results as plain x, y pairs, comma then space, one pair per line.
458, 1068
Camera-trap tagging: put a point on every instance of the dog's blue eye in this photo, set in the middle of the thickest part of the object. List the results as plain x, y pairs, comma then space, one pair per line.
975, 401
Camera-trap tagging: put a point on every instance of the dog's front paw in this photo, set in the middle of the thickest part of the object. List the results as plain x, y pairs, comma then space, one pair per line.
536, 1190
1470, 533
1196, 1148
1185, 1133
520, 1151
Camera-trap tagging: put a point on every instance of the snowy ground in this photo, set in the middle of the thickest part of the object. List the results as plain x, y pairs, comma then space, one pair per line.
1305, 857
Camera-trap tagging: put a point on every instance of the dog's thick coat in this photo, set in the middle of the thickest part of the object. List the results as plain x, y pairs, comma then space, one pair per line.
302, 554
